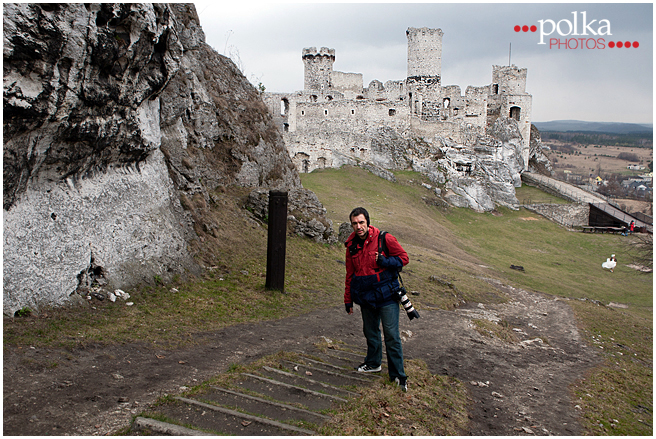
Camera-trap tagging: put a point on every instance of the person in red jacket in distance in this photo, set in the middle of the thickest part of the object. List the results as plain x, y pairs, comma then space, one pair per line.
372, 282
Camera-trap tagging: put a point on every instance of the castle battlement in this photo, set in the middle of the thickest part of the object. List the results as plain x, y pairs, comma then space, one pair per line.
324, 51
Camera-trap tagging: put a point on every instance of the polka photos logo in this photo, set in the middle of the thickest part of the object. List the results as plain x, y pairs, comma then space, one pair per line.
579, 33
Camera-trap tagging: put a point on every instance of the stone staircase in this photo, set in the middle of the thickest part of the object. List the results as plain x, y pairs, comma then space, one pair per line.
292, 398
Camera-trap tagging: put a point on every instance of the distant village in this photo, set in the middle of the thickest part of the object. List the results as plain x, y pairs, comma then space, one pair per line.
629, 175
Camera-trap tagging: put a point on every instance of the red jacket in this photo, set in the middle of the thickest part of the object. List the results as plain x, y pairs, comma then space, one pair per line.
370, 282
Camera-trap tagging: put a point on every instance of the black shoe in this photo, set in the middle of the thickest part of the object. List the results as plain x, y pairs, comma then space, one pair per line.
402, 383
366, 368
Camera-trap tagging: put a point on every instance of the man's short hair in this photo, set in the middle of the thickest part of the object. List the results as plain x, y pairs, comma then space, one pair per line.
359, 211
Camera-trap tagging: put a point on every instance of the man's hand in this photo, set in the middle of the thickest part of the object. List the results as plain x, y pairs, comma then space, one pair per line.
349, 308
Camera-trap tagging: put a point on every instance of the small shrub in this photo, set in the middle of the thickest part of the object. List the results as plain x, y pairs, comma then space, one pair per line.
23, 312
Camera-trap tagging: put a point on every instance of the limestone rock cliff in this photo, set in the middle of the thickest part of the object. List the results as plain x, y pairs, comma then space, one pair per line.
538, 160
113, 115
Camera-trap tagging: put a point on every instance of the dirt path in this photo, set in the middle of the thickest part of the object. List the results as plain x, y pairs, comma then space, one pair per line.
523, 386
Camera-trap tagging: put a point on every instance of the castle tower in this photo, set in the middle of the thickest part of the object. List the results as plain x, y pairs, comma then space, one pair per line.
509, 79
424, 52
424, 72
318, 68
508, 98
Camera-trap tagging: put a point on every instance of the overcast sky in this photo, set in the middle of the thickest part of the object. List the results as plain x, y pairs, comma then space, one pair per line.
591, 84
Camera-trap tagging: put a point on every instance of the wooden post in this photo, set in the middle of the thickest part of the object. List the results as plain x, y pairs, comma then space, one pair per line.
276, 246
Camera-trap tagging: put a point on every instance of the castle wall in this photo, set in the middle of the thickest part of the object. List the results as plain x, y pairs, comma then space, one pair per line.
331, 134
351, 84
476, 106
375, 91
395, 90
349, 115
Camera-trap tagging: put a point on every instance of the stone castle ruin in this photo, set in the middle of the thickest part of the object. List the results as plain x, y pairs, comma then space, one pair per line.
472, 146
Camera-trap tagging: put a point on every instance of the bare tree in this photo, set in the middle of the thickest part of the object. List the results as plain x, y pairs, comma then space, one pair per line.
640, 251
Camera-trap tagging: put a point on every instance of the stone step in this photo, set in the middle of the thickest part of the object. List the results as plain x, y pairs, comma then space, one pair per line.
343, 362
332, 377
287, 393
220, 420
325, 364
153, 427
253, 404
346, 359
271, 401
305, 382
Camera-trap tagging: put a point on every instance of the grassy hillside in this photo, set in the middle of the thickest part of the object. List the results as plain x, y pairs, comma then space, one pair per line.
450, 250
456, 243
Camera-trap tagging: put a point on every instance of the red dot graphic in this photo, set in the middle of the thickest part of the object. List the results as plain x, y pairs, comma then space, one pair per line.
636, 44
534, 28
525, 28
620, 44
611, 44
627, 44
518, 28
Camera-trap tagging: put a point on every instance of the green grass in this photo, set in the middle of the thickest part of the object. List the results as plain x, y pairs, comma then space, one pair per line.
556, 261
221, 297
532, 195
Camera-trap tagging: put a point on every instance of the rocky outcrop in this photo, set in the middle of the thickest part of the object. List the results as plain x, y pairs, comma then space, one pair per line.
115, 115
478, 174
538, 160
306, 216
215, 127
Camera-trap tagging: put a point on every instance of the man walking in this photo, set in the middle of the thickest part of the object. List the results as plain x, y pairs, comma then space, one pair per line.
372, 282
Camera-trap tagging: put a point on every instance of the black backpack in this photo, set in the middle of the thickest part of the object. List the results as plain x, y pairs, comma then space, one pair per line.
382, 246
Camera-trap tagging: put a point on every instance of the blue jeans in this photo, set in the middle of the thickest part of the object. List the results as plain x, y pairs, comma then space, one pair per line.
371, 319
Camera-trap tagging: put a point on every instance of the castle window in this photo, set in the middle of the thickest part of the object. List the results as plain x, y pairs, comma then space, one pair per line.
495, 89
302, 112
446, 102
392, 111
515, 113
313, 98
285, 127
359, 97
325, 112
284, 107
330, 98
352, 111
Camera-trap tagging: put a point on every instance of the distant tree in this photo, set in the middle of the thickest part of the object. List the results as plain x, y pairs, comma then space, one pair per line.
629, 157
640, 251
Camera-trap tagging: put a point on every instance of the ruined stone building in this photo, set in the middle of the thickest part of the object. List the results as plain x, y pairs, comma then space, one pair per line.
335, 120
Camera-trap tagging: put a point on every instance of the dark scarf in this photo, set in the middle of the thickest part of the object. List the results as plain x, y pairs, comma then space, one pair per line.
356, 245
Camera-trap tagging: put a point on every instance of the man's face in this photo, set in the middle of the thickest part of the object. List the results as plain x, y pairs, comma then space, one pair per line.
359, 224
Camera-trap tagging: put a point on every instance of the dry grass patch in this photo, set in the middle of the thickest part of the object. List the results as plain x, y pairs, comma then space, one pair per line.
433, 406
617, 396
500, 330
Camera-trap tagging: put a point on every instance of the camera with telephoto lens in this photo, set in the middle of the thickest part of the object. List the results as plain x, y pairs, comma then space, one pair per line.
402, 296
